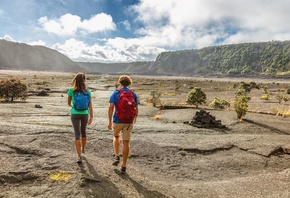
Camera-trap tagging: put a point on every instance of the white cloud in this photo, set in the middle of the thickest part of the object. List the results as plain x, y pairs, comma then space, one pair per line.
39, 42
72, 47
114, 50
195, 23
8, 38
98, 23
126, 24
69, 25
66, 25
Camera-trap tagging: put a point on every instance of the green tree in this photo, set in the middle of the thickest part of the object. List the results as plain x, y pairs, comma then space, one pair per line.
246, 88
12, 89
196, 97
241, 101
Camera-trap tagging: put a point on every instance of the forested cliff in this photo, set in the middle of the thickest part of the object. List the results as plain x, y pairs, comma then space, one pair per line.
264, 58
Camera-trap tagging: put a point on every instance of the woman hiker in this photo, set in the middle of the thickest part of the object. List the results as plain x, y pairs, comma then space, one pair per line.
79, 98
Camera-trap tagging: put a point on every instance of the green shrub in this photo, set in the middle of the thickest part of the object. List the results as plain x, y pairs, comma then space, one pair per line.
265, 97
265, 88
282, 97
196, 97
11, 89
177, 86
241, 101
241, 106
219, 103
155, 98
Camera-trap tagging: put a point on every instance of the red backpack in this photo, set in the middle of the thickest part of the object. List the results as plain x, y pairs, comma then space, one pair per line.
126, 107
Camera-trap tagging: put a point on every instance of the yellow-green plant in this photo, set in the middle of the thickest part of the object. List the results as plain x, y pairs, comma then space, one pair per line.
196, 97
241, 101
60, 176
265, 88
155, 98
282, 97
266, 97
281, 112
219, 103
177, 86
241, 106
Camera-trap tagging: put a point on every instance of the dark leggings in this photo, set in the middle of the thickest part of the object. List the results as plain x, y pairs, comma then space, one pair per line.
79, 122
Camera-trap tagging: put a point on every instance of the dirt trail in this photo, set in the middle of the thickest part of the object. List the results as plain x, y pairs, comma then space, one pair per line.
168, 158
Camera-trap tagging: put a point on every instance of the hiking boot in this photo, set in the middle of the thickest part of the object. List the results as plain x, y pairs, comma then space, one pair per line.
116, 161
79, 160
123, 170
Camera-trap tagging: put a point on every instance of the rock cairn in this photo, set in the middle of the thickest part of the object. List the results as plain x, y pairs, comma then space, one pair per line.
43, 93
203, 119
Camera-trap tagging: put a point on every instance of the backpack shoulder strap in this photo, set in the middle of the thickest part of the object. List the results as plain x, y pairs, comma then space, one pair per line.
121, 91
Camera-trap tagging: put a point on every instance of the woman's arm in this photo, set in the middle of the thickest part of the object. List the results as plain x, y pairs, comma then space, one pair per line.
91, 112
69, 101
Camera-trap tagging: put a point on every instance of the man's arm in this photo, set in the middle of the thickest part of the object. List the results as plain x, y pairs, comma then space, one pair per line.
136, 115
110, 115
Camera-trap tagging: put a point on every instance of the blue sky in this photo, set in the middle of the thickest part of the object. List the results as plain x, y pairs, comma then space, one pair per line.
139, 30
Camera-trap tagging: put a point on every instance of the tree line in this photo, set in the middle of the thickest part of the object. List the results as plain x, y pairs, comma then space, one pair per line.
261, 58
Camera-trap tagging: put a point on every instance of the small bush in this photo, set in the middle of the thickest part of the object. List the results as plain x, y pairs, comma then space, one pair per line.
219, 103
282, 97
196, 97
266, 97
60, 176
281, 112
241, 106
155, 98
177, 86
265, 88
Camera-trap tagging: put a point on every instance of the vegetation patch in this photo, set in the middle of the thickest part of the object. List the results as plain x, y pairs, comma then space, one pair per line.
62, 176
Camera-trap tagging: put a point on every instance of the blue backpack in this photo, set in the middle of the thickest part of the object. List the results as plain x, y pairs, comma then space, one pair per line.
81, 100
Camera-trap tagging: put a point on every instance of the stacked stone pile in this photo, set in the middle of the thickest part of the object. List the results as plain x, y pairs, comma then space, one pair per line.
203, 119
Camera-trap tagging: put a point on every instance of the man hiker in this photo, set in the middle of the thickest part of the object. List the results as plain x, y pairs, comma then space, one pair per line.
123, 110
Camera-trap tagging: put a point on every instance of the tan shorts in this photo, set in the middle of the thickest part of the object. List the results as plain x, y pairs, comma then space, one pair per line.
124, 129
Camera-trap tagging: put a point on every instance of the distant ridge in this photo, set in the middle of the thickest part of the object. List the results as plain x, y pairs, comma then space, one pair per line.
261, 59
20, 56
